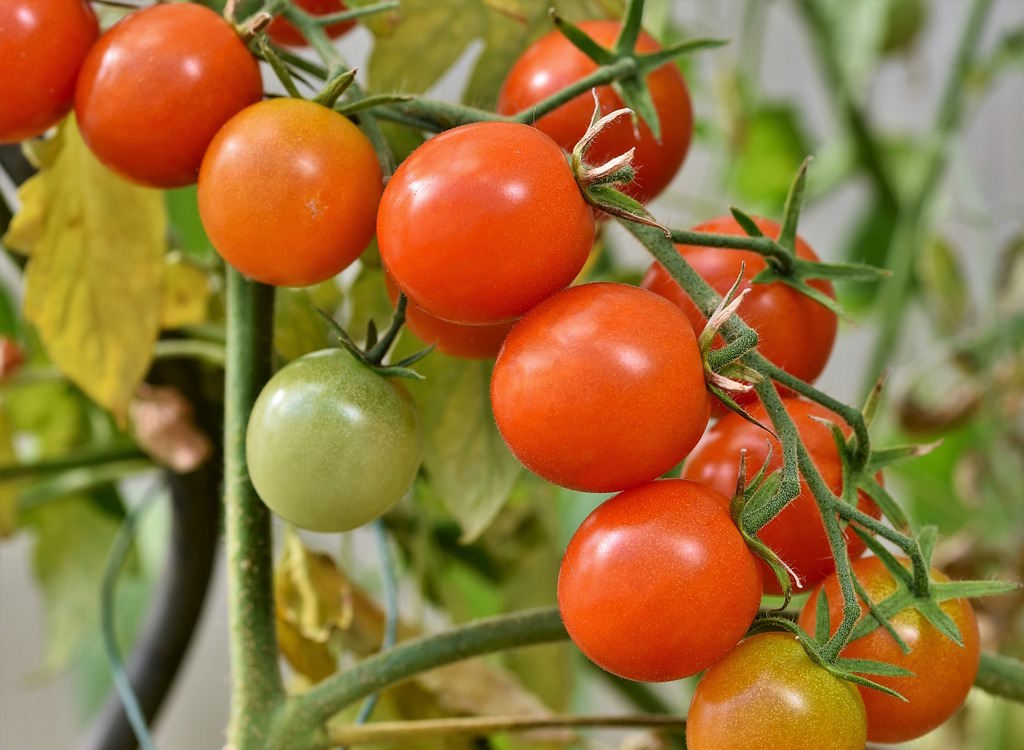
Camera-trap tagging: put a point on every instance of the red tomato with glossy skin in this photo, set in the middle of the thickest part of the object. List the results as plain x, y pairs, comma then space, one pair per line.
767, 693
600, 388
794, 331
483, 222
42, 46
156, 88
282, 32
943, 671
456, 339
657, 583
797, 534
552, 63
288, 192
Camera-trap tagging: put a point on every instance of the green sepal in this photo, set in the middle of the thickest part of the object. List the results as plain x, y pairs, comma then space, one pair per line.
886, 456
939, 619
335, 87
649, 61
277, 65
885, 502
895, 568
630, 29
945, 590
822, 619
812, 269
634, 94
870, 666
874, 400
746, 222
791, 210
878, 616
582, 41
865, 682
369, 102
926, 540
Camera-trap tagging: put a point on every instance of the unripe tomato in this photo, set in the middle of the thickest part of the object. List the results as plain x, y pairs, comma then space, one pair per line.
794, 331
943, 671
768, 693
283, 32
156, 88
331, 444
600, 388
42, 46
456, 339
797, 534
288, 192
484, 221
553, 62
657, 583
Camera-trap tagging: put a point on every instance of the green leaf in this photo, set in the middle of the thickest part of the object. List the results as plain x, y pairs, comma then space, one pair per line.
868, 243
943, 285
464, 458
96, 245
770, 148
186, 228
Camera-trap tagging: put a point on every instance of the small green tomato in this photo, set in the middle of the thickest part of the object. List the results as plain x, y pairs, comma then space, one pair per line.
331, 445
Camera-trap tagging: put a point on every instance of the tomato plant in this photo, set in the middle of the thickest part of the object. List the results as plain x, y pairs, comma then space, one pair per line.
647, 572
553, 63
483, 222
774, 310
943, 671
157, 86
352, 434
42, 46
796, 534
282, 32
288, 192
456, 339
586, 402
768, 693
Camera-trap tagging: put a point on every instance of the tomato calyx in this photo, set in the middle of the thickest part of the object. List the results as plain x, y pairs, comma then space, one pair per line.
377, 345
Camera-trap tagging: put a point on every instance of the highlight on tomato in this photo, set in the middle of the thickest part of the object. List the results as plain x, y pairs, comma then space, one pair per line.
600, 388
553, 62
657, 583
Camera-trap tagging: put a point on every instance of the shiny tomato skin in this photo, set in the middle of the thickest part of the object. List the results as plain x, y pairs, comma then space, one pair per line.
42, 46
288, 192
483, 222
794, 331
797, 534
456, 339
552, 63
600, 388
657, 583
331, 444
282, 32
767, 693
156, 88
944, 672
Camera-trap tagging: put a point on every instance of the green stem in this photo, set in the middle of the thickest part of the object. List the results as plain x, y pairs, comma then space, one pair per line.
1001, 675
71, 461
765, 246
207, 351
605, 74
307, 713
255, 677
910, 230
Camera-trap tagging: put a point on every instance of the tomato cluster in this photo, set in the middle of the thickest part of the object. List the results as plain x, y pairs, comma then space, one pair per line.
597, 387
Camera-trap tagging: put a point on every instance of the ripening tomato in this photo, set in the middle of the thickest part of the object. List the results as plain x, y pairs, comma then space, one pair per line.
943, 671
42, 46
553, 62
484, 221
283, 32
797, 534
456, 339
600, 388
768, 693
156, 88
657, 583
288, 192
794, 331
331, 444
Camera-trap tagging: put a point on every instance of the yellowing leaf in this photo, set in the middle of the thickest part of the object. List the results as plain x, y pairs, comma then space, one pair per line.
186, 293
94, 279
8, 489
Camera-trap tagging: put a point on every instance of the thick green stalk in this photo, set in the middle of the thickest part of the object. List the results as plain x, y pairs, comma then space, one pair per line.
300, 724
910, 229
255, 677
1001, 675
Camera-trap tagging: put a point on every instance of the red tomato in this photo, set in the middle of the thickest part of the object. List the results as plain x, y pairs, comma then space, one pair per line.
794, 331
456, 339
288, 192
552, 63
156, 88
282, 32
600, 388
797, 534
657, 583
943, 671
767, 693
42, 46
483, 222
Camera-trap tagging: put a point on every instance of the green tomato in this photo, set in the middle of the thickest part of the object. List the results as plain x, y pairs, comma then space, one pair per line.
331, 445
